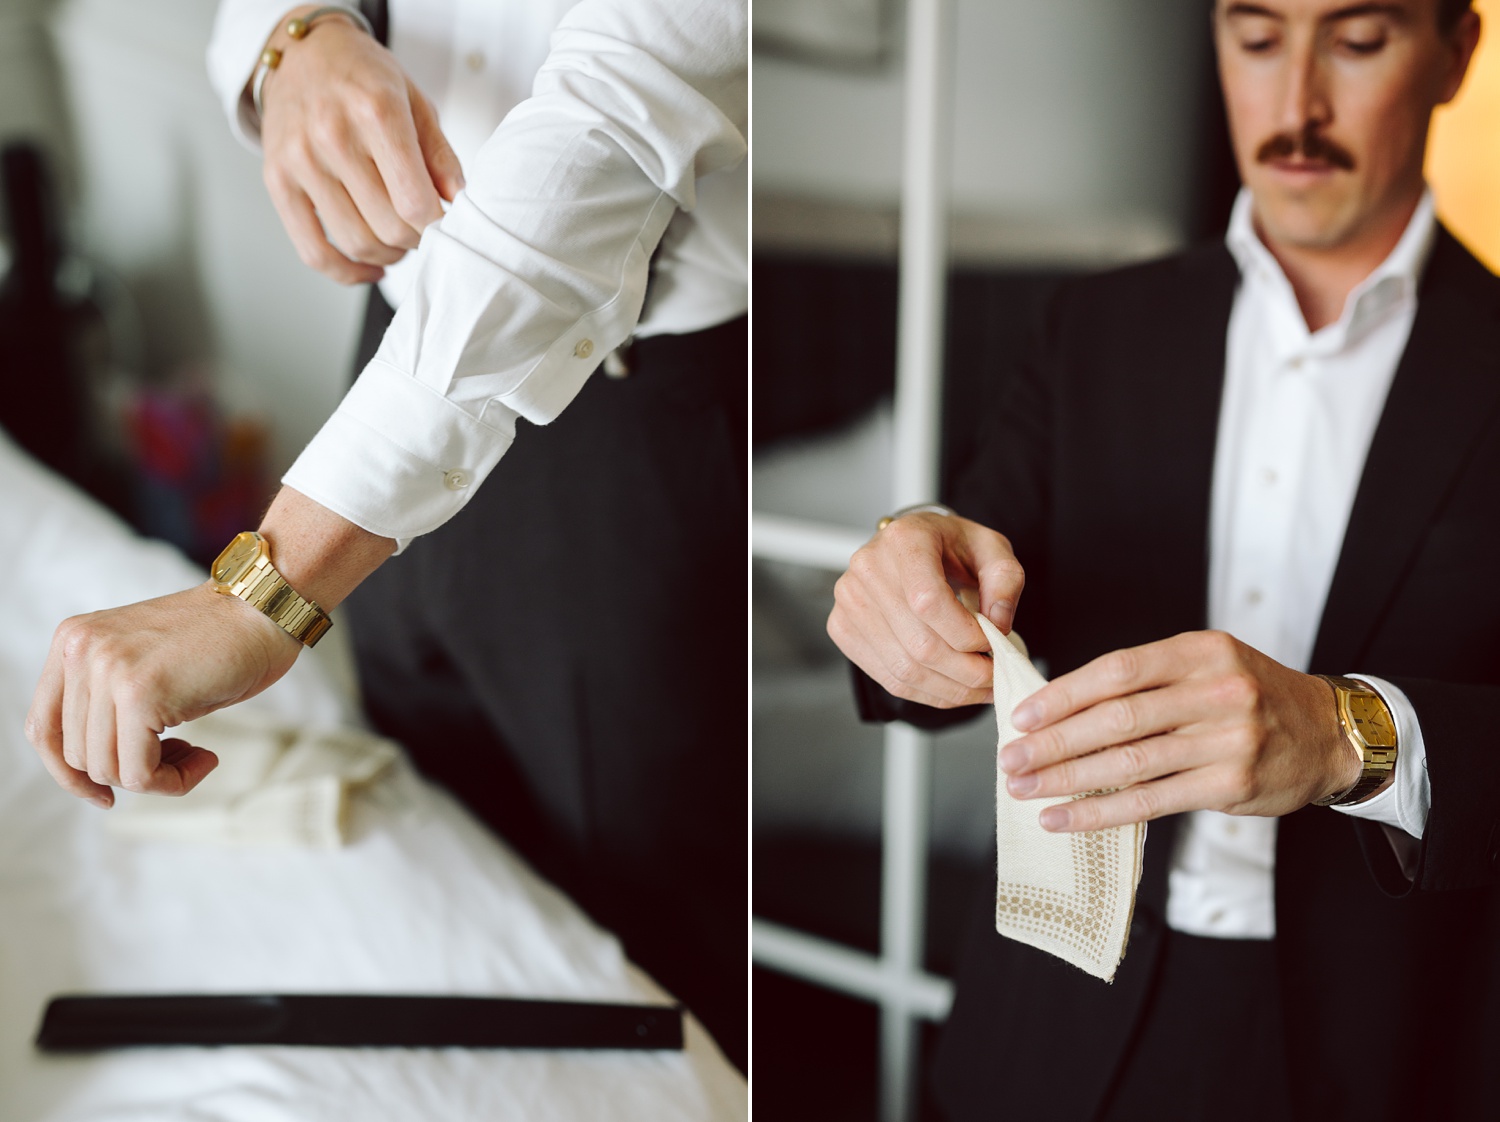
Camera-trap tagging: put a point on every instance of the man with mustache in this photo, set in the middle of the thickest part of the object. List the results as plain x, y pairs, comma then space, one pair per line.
1219, 477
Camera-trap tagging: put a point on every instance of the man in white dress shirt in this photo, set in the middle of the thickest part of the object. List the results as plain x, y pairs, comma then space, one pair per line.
1194, 445
543, 654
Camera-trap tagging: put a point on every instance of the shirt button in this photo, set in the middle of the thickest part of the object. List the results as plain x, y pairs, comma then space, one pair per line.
456, 480
1268, 476
474, 60
1231, 828
1295, 362
1216, 916
1253, 597
584, 348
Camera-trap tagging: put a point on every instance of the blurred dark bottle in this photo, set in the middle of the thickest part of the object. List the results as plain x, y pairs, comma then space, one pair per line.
43, 403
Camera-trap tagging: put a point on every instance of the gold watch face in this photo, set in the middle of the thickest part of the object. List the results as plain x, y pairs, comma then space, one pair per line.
1372, 720
237, 558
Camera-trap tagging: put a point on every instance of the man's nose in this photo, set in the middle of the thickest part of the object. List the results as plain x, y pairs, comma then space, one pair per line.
1305, 102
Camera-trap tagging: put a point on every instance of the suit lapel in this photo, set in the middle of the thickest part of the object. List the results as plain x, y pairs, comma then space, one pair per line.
1147, 427
1446, 386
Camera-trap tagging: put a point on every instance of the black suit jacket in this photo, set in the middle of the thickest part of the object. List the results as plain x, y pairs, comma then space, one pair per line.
1098, 467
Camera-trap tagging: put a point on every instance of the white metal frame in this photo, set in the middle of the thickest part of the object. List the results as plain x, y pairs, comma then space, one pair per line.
895, 979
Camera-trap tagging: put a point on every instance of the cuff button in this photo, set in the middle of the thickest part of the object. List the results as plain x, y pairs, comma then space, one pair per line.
456, 480
584, 348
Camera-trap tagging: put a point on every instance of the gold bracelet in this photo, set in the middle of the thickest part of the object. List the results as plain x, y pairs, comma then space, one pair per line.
270, 58
919, 508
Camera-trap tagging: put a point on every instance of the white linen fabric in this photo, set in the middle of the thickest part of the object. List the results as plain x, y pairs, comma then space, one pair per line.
1071, 895
275, 785
635, 134
1298, 414
423, 900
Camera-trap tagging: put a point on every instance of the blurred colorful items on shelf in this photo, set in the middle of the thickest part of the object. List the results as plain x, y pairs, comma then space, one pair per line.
199, 478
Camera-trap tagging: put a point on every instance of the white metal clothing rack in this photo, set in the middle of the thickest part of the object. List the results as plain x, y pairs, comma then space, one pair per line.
894, 979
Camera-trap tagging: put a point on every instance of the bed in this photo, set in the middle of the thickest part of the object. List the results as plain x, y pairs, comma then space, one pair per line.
421, 900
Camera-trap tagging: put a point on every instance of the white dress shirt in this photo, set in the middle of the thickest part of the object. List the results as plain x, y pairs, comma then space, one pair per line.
634, 134
1299, 411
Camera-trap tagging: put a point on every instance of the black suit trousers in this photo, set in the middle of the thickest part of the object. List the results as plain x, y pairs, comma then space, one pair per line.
569, 656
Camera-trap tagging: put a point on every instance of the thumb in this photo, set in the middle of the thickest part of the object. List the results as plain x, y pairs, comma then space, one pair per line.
995, 569
442, 161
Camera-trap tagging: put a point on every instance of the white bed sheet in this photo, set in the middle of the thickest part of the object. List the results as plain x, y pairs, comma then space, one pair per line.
423, 901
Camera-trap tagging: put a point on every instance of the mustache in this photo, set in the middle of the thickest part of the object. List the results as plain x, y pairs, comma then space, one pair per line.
1310, 144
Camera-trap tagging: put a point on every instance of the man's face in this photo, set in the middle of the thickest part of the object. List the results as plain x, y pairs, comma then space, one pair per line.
1329, 103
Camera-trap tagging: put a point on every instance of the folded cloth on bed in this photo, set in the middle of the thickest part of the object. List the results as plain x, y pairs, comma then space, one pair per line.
1070, 895
274, 786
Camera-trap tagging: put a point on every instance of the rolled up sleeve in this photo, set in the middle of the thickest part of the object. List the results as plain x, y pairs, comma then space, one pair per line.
539, 269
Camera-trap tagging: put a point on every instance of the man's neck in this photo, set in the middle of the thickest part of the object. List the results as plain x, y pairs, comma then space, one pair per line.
1322, 278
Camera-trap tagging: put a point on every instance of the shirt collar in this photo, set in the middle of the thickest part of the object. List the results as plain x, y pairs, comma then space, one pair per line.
1390, 286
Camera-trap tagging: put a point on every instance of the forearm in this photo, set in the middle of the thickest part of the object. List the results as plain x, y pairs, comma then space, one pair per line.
321, 554
539, 269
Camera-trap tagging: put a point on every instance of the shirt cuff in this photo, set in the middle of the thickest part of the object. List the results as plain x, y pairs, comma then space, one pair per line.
1405, 803
397, 458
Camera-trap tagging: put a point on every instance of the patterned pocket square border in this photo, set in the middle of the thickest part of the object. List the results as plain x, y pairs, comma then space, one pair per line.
1071, 895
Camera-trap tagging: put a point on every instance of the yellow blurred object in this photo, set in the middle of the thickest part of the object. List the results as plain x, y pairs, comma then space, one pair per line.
1463, 152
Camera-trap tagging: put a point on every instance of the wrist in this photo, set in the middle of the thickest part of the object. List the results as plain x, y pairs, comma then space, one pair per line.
285, 43
1368, 728
1345, 764
937, 509
277, 41
249, 618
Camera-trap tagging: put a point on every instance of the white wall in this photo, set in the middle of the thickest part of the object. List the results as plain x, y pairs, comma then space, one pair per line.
172, 203
1063, 107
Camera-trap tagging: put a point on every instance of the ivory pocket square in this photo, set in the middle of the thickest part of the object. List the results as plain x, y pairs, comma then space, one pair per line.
1070, 895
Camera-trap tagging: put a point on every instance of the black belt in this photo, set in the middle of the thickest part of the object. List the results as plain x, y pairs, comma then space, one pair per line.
82, 1024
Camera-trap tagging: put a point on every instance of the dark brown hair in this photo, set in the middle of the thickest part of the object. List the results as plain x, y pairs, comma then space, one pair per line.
1451, 11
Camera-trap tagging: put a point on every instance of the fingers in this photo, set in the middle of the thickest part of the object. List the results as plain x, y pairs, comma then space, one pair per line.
1112, 722
44, 728
921, 552
988, 556
391, 233
75, 713
897, 617
312, 245
99, 740
163, 767
1141, 803
371, 185
345, 225
1118, 674
1123, 765
866, 638
441, 163
75, 782
182, 767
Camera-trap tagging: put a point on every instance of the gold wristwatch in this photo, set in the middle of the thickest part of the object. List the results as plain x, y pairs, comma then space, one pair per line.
244, 569
1371, 728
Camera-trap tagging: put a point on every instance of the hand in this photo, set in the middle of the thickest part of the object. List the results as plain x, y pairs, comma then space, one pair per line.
896, 616
114, 680
1196, 722
353, 152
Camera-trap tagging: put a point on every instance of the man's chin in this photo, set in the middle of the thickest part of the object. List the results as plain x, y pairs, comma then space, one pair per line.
1302, 223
